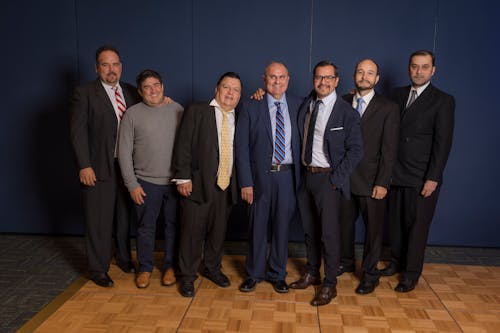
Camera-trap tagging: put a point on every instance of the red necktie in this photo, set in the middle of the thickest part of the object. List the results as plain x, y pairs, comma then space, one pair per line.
119, 102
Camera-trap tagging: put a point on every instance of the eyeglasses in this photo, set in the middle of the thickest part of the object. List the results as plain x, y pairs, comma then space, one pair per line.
324, 77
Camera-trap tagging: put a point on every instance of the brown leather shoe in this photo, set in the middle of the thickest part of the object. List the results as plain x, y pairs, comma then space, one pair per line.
142, 279
168, 277
305, 281
325, 296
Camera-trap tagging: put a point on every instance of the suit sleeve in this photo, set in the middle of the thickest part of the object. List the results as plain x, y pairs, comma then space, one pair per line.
182, 160
79, 108
388, 149
443, 137
242, 148
125, 152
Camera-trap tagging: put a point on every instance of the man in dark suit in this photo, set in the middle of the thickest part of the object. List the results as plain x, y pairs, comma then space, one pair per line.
331, 149
96, 109
267, 147
370, 180
205, 177
425, 137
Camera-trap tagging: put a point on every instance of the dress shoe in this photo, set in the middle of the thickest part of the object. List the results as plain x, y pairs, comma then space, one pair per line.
248, 285
344, 269
389, 270
168, 278
102, 280
126, 267
142, 279
187, 288
366, 286
217, 277
405, 285
305, 281
325, 296
279, 286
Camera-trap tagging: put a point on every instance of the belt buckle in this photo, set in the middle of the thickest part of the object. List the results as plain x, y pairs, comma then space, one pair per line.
275, 167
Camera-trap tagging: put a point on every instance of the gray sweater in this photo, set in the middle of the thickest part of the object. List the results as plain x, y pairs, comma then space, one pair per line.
146, 142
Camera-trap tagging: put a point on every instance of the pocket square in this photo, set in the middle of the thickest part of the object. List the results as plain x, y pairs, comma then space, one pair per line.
336, 128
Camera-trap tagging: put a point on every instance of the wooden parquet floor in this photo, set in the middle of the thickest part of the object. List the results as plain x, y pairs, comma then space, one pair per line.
448, 298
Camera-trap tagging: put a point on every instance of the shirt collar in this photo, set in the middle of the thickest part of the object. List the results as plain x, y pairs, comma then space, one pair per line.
420, 89
366, 98
214, 103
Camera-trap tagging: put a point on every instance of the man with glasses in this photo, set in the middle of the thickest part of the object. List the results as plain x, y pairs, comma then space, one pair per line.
268, 163
331, 149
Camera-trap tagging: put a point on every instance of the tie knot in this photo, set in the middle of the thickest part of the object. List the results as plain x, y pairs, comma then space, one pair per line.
360, 100
277, 104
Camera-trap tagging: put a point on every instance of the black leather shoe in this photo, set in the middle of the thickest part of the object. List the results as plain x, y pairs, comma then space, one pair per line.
325, 296
248, 285
126, 267
389, 270
405, 285
102, 280
344, 269
218, 278
366, 286
279, 286
186, 288
305, 281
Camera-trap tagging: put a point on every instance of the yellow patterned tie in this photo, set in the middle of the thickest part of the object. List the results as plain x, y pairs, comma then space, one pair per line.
225, 153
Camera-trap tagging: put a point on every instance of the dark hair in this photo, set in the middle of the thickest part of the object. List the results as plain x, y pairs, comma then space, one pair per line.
105, 48
324, 63
231, 75
146, 74
368, 59
423, 53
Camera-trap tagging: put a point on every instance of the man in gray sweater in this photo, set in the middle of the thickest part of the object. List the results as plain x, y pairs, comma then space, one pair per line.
145, 146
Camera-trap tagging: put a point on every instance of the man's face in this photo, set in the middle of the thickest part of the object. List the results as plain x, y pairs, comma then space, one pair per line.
151, 91
276, 80
325, 81
421, 70
228, 93
109, 67
366, 76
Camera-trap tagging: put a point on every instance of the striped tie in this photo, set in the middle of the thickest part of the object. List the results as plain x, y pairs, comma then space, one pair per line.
223, 177
119, 102
279, 140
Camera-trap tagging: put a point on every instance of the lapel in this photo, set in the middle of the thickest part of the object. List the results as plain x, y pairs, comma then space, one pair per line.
129, 100
265, 117
211, 124
412, 110
371, 109
101, 94
335, 116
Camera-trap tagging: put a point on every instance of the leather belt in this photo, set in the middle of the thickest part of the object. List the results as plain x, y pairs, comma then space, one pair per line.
313, 169
281, 167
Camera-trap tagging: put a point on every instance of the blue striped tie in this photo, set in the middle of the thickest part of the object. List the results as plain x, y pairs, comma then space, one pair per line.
279, 139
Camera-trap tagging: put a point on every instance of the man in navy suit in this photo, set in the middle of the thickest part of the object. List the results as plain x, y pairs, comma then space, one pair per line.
267, 146
425, 137
331, 149
370, 180
95, 117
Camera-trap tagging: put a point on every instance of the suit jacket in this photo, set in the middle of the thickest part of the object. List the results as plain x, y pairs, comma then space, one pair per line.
94, 127
343, 144
425, 136
379, 127
254, 143
196, 153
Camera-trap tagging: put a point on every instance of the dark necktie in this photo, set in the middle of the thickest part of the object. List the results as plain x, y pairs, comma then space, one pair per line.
310, 133
413, 97
279, 139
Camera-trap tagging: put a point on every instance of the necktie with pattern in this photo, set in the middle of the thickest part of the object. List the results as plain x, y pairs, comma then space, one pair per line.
119, 102
225, 153
279, 139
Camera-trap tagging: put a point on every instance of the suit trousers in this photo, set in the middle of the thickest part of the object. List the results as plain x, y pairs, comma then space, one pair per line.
277, 207
160, 201
107, 207
410, 217
203, 230
373, 213
319, 205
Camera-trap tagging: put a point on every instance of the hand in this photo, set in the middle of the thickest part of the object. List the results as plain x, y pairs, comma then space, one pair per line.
379, 192
87, 176
429, 187
167, 100
185, 189
259, 94
247, 194
138, 195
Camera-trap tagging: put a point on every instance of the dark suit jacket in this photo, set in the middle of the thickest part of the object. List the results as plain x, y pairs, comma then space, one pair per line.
379, 127
342, 141
425, 137
254, 143
196, 152
94, 126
